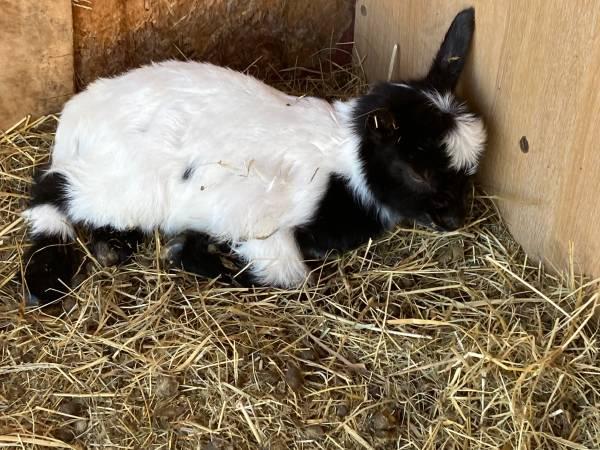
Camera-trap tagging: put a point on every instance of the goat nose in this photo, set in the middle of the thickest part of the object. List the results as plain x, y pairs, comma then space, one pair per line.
450, 223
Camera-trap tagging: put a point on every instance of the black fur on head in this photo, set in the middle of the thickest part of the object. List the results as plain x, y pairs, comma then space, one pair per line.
416, 138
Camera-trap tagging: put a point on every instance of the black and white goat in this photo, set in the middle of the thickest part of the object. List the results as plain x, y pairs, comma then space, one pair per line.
197, 150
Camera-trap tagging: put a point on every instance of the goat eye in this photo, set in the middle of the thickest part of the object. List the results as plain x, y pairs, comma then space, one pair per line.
420, 179
416, 178
440, 203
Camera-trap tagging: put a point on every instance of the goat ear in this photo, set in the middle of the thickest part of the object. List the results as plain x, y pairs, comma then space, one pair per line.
450, 59
381, 124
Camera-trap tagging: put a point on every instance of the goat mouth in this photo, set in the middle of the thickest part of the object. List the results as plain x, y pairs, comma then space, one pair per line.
445, 228
437, 224
425, 221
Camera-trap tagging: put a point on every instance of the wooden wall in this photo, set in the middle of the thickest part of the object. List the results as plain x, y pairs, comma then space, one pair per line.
36, 58
46, 45
115, 35
534, 71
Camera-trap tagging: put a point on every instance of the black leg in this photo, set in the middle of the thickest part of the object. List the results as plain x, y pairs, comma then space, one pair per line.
190, 252
50, 265
53, 258
113, 247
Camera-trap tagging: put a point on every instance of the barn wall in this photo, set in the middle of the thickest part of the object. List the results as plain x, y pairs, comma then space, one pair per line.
534, 72
47, 45
36, 58
115, 35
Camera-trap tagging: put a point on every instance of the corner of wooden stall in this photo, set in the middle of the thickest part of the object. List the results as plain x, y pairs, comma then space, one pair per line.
534, 75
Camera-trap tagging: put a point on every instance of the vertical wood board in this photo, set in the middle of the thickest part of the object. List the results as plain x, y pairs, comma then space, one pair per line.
36, 58
534, 71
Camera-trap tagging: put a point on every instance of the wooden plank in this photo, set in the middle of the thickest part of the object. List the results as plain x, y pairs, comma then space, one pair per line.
36, 51
115, 35
535, 72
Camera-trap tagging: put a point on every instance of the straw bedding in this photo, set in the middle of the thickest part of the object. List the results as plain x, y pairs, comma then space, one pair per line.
419, 340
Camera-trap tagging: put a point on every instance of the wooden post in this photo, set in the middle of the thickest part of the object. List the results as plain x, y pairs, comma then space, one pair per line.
36, 58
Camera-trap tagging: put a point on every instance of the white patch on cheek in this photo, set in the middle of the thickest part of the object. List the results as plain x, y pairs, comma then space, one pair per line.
444, 102
466, 141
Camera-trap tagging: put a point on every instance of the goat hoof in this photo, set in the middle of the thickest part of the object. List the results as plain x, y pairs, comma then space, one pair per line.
170, 254
31, 300
105, 254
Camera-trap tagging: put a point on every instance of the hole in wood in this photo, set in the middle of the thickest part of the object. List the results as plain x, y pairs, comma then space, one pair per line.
524, 144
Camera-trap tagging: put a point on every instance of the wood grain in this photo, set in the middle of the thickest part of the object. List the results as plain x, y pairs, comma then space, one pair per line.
36, 57
534, 71
115, 35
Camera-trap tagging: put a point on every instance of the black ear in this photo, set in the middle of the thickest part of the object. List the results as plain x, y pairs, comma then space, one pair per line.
450, 59
381, 124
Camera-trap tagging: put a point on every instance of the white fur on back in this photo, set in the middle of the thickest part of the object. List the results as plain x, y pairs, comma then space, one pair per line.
47, 220
466, 141
258, 160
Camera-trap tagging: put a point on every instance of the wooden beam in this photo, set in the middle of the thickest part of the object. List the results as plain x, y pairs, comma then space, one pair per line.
534, 72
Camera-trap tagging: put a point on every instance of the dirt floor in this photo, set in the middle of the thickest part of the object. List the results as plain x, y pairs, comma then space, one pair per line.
419, 340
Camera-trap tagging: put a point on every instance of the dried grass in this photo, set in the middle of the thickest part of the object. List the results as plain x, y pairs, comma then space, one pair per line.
419, 340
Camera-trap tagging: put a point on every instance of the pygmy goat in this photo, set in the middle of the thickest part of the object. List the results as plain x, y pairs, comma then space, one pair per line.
199, 151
